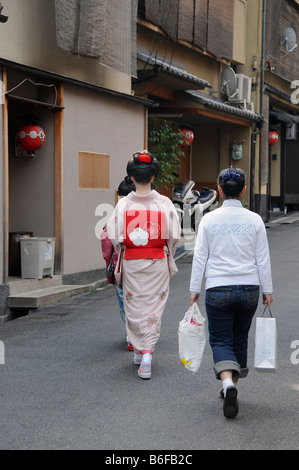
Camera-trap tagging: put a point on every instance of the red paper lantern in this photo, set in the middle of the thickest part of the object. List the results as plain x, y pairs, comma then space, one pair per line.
31, 137
273, 138
188, 137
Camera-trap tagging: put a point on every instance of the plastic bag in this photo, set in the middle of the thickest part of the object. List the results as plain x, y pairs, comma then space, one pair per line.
192, 338
265, 352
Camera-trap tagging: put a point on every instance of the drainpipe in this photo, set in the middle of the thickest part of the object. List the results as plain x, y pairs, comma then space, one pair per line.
252, 169
261, 97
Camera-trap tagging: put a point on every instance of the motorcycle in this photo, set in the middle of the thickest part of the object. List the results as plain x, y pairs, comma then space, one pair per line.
191, 204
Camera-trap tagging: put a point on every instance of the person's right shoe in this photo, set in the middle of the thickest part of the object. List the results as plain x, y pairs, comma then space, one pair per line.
145, 369
230, 404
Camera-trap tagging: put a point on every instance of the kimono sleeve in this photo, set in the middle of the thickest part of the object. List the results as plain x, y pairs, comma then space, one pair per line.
116, 222
174, 228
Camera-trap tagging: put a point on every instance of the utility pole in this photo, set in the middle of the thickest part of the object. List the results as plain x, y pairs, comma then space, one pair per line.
262, 79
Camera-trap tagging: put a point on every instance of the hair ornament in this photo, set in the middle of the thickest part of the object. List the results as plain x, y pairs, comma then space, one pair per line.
144, 158
231, 176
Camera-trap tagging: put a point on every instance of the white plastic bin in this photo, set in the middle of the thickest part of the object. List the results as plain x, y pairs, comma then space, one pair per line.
37, 257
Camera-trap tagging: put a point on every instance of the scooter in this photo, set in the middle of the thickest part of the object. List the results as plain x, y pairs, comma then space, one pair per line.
191, 204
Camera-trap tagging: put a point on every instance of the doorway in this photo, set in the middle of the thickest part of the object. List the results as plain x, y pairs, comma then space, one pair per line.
31, 180
33, 184
291, 171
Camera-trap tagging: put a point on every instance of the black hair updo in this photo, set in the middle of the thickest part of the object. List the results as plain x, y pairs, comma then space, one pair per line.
142, 167
232, 182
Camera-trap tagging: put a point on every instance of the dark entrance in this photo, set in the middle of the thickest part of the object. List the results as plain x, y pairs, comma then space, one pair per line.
291, 172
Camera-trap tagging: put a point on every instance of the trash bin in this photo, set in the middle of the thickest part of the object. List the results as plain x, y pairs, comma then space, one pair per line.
37, 257
14, 266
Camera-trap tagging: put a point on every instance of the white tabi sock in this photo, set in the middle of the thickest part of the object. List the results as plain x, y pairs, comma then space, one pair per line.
146, 362
227, 383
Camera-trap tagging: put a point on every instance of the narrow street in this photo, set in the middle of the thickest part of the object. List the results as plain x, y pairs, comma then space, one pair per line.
69, 382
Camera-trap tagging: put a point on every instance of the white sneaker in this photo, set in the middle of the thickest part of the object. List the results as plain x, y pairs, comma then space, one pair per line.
145, 369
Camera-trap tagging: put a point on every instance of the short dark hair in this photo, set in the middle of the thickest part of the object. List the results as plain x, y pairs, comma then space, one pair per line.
142, 167
231, 181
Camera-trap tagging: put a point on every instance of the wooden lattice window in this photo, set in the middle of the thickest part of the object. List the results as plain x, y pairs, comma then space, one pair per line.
93, 170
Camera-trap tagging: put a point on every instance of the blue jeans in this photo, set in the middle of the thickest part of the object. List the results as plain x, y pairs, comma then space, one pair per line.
230, 310
120, 297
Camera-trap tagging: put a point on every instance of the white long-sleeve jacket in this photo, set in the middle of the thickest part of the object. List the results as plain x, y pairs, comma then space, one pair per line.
231, 249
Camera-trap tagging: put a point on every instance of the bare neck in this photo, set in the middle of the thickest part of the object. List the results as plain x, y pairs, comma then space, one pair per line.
142, 189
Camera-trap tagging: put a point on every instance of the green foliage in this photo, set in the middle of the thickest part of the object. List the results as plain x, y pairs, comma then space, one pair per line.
164, 141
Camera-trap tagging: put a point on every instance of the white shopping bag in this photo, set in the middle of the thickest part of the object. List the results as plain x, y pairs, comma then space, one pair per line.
265, 352
192, 338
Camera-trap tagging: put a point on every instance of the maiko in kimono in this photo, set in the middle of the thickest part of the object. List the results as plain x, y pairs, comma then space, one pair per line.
146, 226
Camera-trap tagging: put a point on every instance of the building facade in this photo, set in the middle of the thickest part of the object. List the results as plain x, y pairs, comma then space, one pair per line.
280, 165
193, 59
228, 70
91, 74
92, 125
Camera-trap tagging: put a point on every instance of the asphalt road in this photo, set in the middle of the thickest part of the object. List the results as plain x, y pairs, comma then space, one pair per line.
69, 382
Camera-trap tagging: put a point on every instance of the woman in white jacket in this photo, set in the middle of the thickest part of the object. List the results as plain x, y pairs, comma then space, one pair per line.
232, 251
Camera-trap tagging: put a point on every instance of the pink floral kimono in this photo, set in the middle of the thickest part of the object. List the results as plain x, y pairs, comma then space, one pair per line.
148, 228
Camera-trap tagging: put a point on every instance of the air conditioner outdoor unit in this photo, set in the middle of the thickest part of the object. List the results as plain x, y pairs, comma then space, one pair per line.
243, 90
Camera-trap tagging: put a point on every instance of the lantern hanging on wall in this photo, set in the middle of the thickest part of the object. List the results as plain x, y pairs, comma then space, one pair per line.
188, 135
273, 138
31, 138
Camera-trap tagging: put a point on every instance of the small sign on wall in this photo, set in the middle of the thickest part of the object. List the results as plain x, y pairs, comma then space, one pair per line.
237, 152
291, 131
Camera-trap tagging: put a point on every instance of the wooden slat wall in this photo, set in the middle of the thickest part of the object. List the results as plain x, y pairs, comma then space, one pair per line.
93, 170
